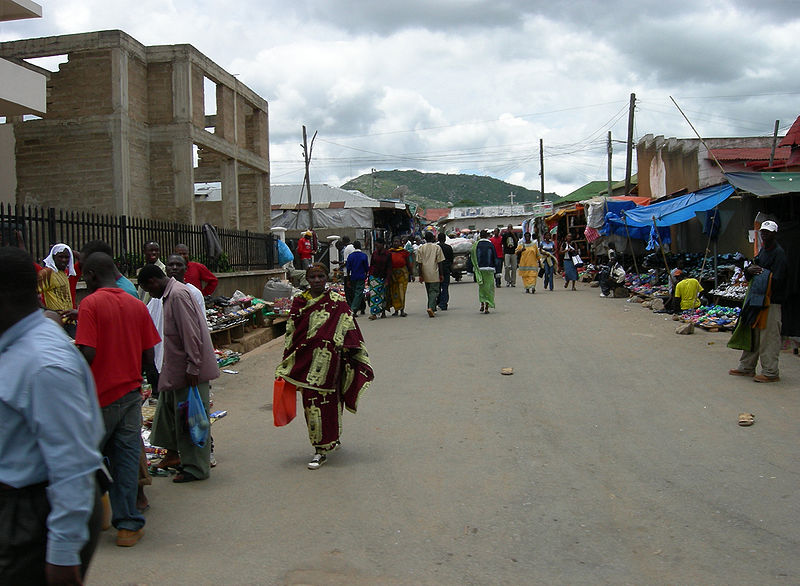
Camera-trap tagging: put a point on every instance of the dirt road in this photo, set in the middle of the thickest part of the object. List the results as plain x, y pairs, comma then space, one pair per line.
612, 455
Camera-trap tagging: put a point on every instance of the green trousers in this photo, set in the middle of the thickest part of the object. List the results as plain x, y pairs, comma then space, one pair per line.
170, 431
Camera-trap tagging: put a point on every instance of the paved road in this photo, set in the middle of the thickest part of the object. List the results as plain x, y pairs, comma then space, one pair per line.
611, 456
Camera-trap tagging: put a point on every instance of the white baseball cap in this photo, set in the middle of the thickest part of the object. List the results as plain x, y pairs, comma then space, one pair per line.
769, 226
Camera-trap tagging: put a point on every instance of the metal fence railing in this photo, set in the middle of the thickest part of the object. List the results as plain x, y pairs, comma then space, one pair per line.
39, 228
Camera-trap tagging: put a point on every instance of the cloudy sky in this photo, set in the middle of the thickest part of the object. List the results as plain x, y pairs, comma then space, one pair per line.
471, 86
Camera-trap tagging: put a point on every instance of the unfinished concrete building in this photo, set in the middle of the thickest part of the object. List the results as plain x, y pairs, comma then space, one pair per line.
128, 130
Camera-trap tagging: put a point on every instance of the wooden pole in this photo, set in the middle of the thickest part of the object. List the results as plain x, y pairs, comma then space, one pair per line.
630, 244
610, 150
629, 155
698, 136
307, 157
774, 143
541, 167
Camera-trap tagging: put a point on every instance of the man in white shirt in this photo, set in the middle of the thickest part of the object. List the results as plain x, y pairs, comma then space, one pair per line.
429, 258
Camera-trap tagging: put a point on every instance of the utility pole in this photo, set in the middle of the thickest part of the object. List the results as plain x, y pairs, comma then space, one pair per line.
774, 143
373, 182
610, 150
629, 158
541, 168
307, 157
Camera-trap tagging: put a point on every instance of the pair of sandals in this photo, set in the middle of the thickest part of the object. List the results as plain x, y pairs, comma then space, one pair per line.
484, 308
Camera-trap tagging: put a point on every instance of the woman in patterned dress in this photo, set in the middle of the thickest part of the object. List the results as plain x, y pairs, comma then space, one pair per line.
380, 267
325, 358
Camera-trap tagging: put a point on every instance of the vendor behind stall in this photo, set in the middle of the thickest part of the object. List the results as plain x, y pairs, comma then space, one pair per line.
687, 291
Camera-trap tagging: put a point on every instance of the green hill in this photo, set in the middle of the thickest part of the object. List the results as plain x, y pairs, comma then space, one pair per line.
439, 190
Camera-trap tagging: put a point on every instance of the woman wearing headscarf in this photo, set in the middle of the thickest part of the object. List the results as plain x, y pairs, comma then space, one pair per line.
398, 282
484, 263
54, 285
529, 262
380, 267
547, 250
325, 358
568, 251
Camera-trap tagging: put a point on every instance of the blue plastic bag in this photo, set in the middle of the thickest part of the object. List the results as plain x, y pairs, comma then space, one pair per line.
197, 418
284, 253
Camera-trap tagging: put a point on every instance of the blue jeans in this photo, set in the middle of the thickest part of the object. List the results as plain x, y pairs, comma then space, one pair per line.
548, 275
444, 287
122, 444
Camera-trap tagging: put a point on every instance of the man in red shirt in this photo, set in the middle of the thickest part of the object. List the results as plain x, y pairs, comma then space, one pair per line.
497, 241
116, 336
197, 273
305, 249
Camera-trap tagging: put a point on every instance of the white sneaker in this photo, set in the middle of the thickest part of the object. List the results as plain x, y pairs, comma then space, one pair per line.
604, 295
317, 461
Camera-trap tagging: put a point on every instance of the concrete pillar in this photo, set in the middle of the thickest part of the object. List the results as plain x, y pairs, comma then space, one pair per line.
229, 173
183, 166
119, 130
182, 91
8, 165
261, 222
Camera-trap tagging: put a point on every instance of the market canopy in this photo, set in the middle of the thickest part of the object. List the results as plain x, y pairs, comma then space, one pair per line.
676, 210
766, 184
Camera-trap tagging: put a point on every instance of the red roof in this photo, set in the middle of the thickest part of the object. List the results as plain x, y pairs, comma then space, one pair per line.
793, 136
434, 214
781, 154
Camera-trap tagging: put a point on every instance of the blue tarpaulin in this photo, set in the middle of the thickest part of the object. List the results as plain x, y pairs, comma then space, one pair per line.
615, 223
677, 210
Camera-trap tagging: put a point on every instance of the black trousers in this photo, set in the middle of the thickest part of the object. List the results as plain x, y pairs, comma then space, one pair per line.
23, 534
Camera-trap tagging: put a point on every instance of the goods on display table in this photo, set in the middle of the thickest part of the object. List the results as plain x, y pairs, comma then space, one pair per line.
227, 312
713, 318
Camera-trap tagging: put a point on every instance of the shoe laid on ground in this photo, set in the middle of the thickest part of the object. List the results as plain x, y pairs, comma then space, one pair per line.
317, 461
431, 313
737, 372
763, 378
212, 460
128, 538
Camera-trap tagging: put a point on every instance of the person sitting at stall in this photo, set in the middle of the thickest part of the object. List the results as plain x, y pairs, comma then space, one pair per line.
687, 292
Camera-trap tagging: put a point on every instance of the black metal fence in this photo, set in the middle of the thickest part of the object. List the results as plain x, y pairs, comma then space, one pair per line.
39, 228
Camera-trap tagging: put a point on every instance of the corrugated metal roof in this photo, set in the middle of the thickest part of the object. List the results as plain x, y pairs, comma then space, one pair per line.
793, 136
743, 154
289, 197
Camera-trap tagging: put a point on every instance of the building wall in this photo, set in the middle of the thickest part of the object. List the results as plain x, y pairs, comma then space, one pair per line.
159, 93
62, 165
141, 193
685, 162
8, 165
162, 201
120, 129
138, 98
81, 87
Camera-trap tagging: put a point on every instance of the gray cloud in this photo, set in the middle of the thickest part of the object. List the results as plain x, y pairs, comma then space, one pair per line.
473, 84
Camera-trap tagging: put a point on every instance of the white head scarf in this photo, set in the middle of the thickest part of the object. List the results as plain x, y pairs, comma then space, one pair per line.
50, 262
